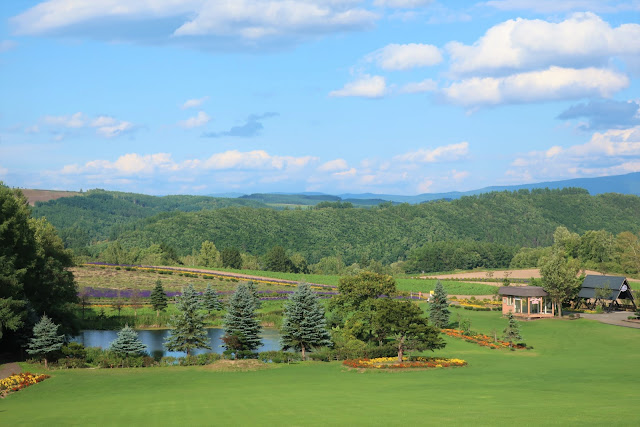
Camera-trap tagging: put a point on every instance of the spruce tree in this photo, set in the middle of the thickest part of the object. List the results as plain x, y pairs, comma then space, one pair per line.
188, 332
158, 298
127, 343
254, 292
304, 323
438, 307
45, 339
210, 300
512, 331
241, 326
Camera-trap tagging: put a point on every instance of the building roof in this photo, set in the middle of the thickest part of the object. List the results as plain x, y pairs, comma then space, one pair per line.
593, 282
523, 291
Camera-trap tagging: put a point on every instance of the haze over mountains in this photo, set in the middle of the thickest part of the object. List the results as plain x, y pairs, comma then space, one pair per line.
623, 184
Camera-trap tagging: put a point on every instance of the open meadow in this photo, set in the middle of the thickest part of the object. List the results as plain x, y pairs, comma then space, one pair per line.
579, 372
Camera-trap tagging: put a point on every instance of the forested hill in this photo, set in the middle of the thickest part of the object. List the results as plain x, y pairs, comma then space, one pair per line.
388, 233
97, 214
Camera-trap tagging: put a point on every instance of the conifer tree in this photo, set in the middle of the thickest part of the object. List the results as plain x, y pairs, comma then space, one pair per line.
210, 299
127, 343
304, 323
241, 326
45, 339
158, 298
512, 331
438, 307
188, 332
254, 291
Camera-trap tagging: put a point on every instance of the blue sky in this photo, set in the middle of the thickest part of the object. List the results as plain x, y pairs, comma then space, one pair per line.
335, 96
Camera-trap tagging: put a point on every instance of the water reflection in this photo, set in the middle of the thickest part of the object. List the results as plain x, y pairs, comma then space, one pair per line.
154, 340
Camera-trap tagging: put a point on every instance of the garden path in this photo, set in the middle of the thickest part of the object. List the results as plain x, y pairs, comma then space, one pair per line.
9, 369
618, 318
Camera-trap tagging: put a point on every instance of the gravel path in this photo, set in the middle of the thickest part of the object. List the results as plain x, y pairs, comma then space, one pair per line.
618, 318
9, 369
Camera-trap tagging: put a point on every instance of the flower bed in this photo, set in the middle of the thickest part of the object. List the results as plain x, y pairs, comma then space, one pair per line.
480, 339
407, 362
17, 382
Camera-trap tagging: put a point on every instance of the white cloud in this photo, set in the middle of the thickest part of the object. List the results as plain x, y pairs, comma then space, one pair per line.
405, 56
402, 4
425, 185
427, 85
445, 153
459, 175
582, 40
607, 153
74, 121
553, 6
334, 166
114, 130
367, 86
3, 171
6, 45
194, 103
536, 86
198, 120
203, 23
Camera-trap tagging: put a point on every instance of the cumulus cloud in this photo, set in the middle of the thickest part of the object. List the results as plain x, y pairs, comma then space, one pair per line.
133, 164
445, 153
604, 114
582, 40
105, 126
194, 103
252, 127
201, 23
402, 4
405, 56
611, 152
366, 86
427, 85
198, 120
334, 166
554, 83
553, 6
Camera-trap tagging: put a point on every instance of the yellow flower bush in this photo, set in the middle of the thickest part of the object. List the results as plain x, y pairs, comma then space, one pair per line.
17, 382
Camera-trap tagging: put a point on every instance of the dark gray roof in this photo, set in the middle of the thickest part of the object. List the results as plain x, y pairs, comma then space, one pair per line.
600, 281
523, 291
593, 282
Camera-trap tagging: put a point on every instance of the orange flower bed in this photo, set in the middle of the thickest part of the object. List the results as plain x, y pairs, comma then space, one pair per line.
480, 339
19, 381
407, 363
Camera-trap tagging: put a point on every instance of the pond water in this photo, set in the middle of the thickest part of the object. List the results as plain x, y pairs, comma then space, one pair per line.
154, 340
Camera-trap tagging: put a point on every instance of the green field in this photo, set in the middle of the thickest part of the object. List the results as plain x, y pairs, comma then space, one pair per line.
579, 372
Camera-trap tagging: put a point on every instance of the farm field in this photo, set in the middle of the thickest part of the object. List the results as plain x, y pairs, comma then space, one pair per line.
569, 378
109, 277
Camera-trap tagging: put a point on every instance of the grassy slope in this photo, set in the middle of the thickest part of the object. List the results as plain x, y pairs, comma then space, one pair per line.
571, 377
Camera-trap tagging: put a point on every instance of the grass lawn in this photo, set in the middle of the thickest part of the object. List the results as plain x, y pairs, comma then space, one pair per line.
580, 372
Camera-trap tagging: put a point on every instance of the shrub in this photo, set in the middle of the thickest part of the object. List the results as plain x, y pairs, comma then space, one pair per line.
168, 361
279, 357
323, 354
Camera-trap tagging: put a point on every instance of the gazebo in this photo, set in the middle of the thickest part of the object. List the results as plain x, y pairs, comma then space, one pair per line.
526, 301
619, 290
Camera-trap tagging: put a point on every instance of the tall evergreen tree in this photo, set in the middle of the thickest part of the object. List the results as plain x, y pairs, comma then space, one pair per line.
188, 332
304, 323
210, 300
512, 331
127, 343
254, 292
241, 326
45, 339
438, 307
158, 298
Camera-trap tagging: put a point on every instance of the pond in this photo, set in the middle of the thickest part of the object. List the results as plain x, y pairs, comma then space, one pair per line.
154, 340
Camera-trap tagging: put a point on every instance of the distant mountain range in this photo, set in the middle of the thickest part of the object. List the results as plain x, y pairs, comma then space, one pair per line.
623, 184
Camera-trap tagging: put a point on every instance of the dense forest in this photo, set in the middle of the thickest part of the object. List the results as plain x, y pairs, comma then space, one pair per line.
487, 230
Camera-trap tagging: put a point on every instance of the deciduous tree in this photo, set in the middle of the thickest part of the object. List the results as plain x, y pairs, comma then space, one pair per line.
560, 278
